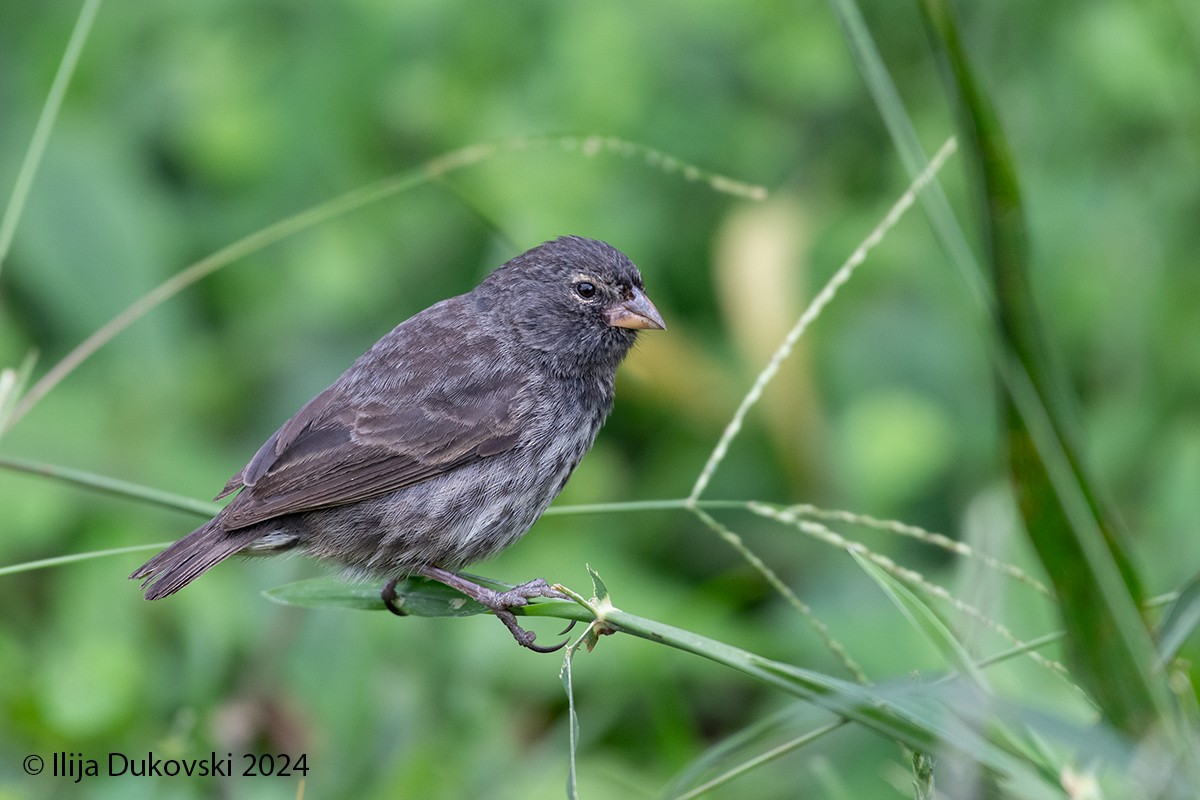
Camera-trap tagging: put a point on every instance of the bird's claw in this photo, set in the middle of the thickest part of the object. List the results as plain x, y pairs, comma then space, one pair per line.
519, 596
388, 595
525, 638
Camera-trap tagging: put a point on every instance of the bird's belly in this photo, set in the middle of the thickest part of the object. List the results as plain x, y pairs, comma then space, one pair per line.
449, 521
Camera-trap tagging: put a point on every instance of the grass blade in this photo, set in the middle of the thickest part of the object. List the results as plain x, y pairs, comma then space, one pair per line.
908, 146
58, 561
913, 715
815, 307
1179, 622
692, 782
45, 125
572, 725
112, 486
347, 202
924, 620
1076, 541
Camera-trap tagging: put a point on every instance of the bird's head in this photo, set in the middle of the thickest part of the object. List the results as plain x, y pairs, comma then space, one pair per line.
578, 301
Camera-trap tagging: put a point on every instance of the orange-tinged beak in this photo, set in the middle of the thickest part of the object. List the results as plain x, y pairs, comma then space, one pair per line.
636, 313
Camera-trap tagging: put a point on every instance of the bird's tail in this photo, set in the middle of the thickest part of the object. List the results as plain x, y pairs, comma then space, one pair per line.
184, 561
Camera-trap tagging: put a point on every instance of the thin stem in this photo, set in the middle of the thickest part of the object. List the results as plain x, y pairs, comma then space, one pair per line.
927, 537
765, 757
113, 486
177, 502
45, 125
833, 645
908, 147
917, 580
1035, 643
342, 204
58, 561
678, 504
205, 267
818, 304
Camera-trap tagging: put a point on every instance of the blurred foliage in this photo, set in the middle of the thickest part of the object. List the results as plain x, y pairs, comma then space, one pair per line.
190, 125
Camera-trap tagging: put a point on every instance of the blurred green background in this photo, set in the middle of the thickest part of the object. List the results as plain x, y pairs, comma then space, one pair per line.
190, 125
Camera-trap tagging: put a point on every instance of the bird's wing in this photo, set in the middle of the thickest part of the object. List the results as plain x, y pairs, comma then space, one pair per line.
338, 450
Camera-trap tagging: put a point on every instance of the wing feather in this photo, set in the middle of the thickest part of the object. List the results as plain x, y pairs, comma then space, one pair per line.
345, 445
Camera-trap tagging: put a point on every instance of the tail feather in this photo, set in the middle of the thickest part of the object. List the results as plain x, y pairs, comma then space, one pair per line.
184, 561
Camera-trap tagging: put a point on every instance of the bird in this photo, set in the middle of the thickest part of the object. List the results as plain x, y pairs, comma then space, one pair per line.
444, 442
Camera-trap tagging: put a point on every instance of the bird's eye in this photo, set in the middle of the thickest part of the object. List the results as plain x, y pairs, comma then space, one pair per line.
585, 290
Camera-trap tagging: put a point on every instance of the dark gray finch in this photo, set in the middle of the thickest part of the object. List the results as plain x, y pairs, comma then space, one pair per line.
446, 440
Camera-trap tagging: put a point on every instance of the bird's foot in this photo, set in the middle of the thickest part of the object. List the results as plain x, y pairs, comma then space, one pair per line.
520, 595
499, 603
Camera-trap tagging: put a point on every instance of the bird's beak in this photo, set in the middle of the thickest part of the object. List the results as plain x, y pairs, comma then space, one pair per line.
636, 313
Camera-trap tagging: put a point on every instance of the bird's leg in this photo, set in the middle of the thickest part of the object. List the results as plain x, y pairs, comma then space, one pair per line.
499, 603
388, 595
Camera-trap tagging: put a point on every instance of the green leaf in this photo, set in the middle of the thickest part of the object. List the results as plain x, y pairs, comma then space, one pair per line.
599, 590
924, 619
417, 596
1078, 543
923, 776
